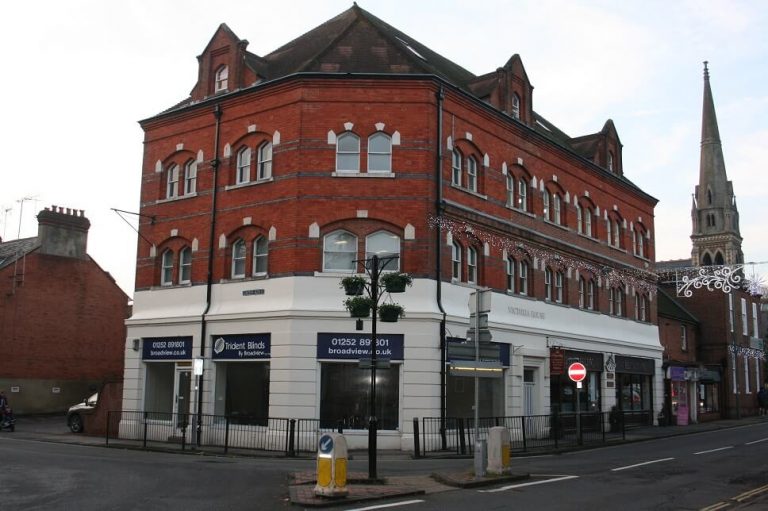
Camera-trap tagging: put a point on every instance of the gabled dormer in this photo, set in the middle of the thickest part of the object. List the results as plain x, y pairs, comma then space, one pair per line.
507, 89
224, 65
602, 148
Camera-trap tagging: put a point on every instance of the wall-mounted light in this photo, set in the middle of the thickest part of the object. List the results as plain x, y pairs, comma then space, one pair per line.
136, 344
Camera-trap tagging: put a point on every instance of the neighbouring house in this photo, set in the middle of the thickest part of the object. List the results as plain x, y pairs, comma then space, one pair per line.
62, 317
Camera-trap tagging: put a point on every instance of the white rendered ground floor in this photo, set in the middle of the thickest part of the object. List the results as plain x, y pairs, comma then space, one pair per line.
286, 348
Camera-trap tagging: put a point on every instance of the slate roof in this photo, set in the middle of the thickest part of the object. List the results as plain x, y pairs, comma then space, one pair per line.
671, 308
10, 251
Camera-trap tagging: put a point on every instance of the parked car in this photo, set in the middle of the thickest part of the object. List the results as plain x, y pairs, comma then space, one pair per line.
76, 412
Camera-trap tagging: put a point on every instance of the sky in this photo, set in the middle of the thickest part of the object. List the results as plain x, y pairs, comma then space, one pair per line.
80, 75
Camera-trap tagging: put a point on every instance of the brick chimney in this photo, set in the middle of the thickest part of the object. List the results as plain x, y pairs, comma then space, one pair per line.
63, 232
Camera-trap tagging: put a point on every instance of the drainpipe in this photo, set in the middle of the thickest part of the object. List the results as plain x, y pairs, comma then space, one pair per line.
438, 259
209, 279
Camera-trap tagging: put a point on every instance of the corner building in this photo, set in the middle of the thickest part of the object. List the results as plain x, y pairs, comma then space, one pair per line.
263, 188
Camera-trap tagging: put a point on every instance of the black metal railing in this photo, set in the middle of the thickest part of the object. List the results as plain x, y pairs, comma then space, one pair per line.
456, 435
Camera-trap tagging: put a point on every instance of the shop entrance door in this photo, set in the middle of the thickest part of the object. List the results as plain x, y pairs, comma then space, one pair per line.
181, 405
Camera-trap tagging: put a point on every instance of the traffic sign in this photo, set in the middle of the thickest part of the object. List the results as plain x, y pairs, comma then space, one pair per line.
577, 372
326, 444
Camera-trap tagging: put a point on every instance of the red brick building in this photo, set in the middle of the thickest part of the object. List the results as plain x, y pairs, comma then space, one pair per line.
62, 330
262, 189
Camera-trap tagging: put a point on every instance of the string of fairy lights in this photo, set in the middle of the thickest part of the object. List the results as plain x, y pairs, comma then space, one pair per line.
687, 279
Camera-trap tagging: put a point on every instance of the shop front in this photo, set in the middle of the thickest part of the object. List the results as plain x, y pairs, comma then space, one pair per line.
345, 380
634, 388
168, 375
681, 391
709, 392
241, 389
460, 390
563, 396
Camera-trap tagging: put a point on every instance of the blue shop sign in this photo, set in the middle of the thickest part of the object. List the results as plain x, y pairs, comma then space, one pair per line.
345, 346
242, 346
460, 349
167, 348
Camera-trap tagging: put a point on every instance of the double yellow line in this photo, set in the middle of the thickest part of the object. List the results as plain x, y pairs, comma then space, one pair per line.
738, 498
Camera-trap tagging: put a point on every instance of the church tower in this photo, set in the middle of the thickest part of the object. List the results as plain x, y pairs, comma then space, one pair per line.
715, 236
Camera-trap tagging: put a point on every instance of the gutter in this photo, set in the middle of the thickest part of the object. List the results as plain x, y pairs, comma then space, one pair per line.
438, 260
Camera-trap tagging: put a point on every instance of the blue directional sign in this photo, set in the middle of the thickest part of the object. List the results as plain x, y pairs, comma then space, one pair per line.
326, 444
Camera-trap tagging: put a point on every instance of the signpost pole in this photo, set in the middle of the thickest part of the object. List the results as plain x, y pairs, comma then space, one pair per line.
372, 422
578, 412
479, 472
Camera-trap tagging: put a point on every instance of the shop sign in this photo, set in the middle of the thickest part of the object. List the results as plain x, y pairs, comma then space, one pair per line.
592, 361
167, 348
633, 365
461, 349
354, 346
242, 346
556, 361
676, 373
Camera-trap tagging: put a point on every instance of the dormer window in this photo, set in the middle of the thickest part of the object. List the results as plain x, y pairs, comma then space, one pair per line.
222, 79
515, 106
609, 164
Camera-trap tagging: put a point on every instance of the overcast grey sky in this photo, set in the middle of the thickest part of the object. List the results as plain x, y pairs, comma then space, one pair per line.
81, 73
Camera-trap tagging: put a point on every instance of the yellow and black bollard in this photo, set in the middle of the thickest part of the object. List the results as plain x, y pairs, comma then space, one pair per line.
332, 466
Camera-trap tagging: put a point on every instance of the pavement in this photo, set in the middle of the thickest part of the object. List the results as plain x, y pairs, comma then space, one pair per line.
300, 485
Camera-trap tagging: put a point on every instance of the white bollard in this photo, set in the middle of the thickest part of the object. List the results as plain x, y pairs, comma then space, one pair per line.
499, 445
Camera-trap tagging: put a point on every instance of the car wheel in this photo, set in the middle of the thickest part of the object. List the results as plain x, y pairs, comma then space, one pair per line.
76, 423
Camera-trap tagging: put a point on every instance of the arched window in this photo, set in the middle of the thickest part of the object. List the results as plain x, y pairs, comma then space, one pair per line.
384, 245
238, 259
522, 278
709, 197
243, 166
265, 161
556, 207
379, 153
610, 161
522, 194
591, 294
472, 265
348, 153
166, 270
706, 260
472, 174
222, 79
190, 177
456, 167
548, 284
260, 254
185, 266
172, 182
579, 220
641, 307
559, 286
615, 233
719, 259
511, 274
339, 251
616, 301
456, 261
587, 222
510, 191
545, 204
515, 106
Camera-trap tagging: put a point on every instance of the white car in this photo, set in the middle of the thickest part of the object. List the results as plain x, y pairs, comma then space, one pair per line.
76, 412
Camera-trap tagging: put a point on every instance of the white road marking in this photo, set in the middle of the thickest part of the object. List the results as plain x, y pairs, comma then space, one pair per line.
640, 464
533, 483
382, 506
757, 441
714, 450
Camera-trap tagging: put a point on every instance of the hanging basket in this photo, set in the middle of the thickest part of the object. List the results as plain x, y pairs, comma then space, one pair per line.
390, 313
358, 306
396, 282
353, 286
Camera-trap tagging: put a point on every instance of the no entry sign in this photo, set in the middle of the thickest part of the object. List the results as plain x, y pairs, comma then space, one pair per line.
577, 372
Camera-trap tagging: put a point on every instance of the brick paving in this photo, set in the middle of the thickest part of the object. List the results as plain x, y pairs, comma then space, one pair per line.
301, 489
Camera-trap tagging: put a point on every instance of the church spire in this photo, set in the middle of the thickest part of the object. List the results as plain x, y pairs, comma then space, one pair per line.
716, 238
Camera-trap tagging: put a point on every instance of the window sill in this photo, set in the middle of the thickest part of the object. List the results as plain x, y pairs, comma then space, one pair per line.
642, 258
467, 190
178, 197
369, 174
521, 211
617, 249
554, 224
249, 183
336, 274
587, 236
233, 280
170, 286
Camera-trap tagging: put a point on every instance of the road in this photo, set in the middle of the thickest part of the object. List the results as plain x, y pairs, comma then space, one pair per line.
701, 471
